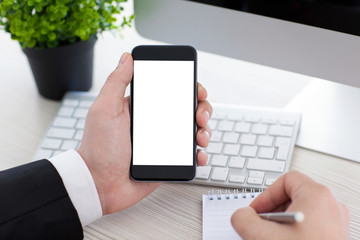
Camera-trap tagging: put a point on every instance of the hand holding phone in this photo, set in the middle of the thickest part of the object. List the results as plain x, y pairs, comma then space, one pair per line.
163, 105
106, 144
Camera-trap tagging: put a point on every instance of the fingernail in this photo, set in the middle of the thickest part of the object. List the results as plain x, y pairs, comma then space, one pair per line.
206, 116
207, 135
207, 157
200, 86
123, 58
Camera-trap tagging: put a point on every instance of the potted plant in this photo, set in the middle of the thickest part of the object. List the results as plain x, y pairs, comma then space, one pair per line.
58, 38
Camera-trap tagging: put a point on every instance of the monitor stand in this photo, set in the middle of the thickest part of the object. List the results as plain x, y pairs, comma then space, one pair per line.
330, 118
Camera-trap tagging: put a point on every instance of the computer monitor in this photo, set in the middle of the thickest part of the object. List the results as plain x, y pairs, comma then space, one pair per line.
318, 38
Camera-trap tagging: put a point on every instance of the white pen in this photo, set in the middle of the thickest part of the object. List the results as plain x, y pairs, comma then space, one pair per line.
283, 217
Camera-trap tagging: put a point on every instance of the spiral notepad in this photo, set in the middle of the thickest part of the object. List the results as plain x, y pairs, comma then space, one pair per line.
217, 210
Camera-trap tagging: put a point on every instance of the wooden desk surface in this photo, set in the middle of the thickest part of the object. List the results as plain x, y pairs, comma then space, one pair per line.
173, 211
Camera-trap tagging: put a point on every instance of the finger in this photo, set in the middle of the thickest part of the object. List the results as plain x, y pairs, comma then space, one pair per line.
282, 208
202, 158
249, 225
345, 213
115, 85
203, 113
127, 101
126, 106
286, 188
203, 136
201, 92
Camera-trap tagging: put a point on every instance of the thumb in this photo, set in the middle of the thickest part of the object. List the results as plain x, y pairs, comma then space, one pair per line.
115, 85
249, 225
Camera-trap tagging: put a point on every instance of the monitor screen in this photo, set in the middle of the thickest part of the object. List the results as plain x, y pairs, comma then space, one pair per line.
318, 38
338, 15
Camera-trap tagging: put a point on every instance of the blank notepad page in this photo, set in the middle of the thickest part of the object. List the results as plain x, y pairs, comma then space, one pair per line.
217, 214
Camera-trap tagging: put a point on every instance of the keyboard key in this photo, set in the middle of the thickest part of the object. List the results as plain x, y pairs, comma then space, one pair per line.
252, 119
282, 141
203, 172
219, 160
269, 181
43, 154
61, 133
232, 149
242, 127
269, 120
265, 141
283, 145
281, 131
220, 174
86, 104
208, 159
51, 143
236, 162
80, 124
64, 122
266, 165
287, 122
256, 181
78, 135
256, 174
212, 123
216, 115
235, 117
259, 129
226, 125
249, 151
214, 148
248, 139
66, 111
71, 102
267, 153
69, 144
81, 113
216, 136
237, 179
230, 137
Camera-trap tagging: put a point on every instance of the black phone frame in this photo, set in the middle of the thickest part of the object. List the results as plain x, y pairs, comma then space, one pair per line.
164, 172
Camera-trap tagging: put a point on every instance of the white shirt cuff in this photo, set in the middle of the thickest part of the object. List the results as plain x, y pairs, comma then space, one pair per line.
79, 185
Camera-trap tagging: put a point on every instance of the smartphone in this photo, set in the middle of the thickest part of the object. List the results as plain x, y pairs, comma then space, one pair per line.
163, 102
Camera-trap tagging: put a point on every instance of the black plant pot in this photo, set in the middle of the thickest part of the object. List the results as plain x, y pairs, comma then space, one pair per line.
62, 69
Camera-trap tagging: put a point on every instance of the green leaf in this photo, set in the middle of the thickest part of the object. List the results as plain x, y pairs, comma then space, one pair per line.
16, 6
51, 23
52, 36
38, 8
30, 43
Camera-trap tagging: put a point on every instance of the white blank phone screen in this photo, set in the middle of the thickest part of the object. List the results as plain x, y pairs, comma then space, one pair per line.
163, 113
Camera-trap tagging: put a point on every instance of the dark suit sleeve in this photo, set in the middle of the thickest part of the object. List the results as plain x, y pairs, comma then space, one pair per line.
34, 204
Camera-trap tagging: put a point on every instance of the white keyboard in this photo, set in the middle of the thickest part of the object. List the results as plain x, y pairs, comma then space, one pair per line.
66, 130
248, 148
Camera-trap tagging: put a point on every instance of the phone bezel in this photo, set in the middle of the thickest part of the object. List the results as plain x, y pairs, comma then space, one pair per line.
167, 172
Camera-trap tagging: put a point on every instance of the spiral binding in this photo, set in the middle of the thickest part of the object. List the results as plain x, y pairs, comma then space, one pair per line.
227, 195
